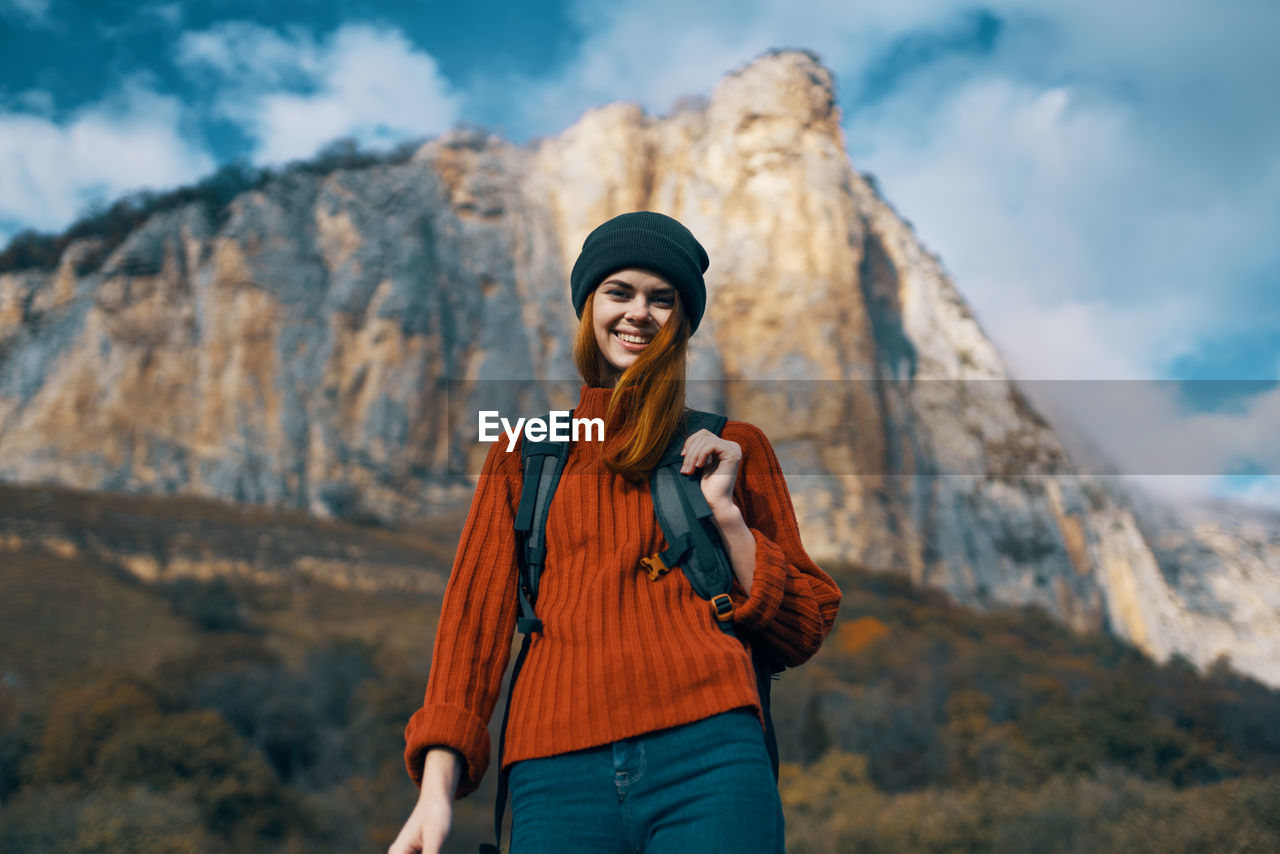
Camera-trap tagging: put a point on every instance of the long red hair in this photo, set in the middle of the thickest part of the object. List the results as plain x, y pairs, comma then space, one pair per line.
647, 405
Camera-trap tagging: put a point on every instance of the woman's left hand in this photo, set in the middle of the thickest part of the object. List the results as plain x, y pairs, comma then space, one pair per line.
719, 458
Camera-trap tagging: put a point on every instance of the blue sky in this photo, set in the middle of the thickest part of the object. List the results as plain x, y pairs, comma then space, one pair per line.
1102, 180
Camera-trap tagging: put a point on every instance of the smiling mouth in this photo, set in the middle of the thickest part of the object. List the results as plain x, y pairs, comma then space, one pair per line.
634, 341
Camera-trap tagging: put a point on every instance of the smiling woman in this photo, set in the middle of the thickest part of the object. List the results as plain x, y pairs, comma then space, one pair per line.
637, 717
638, 288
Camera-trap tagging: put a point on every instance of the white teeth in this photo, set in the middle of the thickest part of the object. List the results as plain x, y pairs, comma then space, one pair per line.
632, 339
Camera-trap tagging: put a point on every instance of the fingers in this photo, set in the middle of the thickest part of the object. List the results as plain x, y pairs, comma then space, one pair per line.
696, 451
705, 446
404, 846
425, 831
409, 841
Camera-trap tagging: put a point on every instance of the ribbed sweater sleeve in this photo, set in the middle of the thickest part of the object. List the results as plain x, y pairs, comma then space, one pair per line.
477, 619
792, 603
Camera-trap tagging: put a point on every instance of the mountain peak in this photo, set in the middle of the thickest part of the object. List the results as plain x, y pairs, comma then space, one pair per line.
323, 342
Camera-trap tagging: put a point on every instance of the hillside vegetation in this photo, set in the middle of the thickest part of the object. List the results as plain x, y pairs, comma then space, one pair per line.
226, 715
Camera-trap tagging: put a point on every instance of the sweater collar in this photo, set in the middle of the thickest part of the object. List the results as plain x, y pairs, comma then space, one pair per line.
593, 401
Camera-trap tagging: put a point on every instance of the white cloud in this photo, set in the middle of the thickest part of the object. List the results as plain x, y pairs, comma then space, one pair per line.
1193, 491
656, 51
50, 170
1039, 200
248, 55
154, 20
1147, 428
37, 101
293, 94
168, 13
1264, 491
32, 11
1092, 248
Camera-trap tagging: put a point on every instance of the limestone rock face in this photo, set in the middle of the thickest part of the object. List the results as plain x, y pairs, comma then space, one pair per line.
1217, 566
325, 343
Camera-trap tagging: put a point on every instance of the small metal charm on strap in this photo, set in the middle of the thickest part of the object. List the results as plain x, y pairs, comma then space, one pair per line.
654, 566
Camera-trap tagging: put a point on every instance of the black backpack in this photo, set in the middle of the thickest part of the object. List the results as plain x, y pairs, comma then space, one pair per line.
693, 544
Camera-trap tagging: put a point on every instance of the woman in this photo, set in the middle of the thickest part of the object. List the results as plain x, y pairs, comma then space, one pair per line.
635, 723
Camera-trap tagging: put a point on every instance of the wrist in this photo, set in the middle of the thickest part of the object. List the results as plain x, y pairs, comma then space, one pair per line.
726, 513
441, 771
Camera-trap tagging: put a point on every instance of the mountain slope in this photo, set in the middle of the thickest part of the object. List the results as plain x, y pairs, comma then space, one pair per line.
324, 342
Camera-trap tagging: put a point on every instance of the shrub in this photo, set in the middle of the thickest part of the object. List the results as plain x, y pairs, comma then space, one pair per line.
82, 719
211, 605
199, 753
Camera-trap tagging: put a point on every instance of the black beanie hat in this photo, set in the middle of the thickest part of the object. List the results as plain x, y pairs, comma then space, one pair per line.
647, 241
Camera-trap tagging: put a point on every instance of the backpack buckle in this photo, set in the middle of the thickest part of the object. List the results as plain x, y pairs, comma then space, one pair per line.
722, 607
654, 566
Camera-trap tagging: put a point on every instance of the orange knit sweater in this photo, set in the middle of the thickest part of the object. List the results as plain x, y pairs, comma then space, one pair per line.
619, 654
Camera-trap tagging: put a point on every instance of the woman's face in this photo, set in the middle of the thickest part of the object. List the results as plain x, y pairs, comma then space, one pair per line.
629, 308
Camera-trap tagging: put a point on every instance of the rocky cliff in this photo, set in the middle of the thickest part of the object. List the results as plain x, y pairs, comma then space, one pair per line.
324, 342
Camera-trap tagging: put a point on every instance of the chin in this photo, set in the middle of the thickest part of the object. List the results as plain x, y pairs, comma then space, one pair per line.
620, 364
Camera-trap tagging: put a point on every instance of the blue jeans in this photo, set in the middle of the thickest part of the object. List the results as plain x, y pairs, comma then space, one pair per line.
705, 786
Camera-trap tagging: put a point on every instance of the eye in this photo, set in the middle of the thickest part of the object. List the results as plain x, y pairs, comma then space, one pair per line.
665, 299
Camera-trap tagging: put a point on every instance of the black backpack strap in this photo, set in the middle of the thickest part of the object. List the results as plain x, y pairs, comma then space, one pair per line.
693, 543
500, 798
765, 674
542, 463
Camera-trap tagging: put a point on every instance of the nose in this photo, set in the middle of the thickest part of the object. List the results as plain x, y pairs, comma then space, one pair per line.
638, 310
